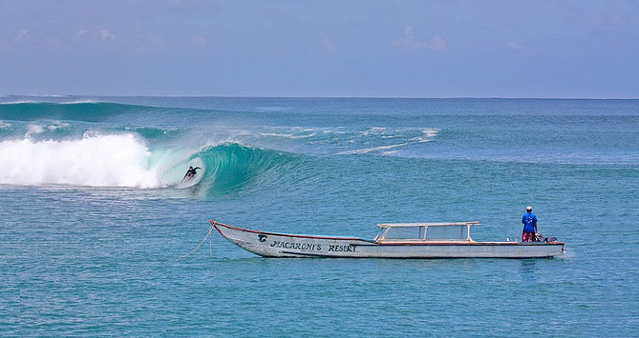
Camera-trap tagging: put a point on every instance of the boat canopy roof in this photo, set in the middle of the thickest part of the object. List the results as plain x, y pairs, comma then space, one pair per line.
401, 232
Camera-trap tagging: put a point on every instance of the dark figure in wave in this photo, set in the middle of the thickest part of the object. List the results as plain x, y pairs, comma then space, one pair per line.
190, 174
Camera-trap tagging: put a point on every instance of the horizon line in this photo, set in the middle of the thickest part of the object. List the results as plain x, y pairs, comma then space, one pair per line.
324, 97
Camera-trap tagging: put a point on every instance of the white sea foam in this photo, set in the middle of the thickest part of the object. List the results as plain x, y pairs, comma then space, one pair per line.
422, 136
289, 136
20, 102
57, 125
430, 133
82, 101
34, 129
427, 135
100, 161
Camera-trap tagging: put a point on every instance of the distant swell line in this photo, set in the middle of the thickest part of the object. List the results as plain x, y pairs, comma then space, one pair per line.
83, 110
370, 150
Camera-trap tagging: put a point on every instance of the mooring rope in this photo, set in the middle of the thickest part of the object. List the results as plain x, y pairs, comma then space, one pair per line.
208, 235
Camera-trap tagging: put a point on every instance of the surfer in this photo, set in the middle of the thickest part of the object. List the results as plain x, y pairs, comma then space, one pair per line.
190, 173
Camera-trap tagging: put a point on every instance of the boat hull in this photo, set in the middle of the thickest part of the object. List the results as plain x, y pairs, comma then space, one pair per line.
268, 244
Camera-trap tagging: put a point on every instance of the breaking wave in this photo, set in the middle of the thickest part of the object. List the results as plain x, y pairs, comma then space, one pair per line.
100, 161
126, 160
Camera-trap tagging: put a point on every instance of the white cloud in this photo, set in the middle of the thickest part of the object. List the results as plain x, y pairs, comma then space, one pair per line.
410, 43
94, 33
437, 43
106, 35
514, 45
80, 33
22, 33
327, 44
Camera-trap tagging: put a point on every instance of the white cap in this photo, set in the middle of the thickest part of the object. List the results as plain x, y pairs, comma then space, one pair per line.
529, 208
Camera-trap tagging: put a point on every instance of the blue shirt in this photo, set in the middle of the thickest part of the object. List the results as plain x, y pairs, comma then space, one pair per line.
529, 219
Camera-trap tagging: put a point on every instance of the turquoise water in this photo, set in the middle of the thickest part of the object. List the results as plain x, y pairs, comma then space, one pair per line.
94, 220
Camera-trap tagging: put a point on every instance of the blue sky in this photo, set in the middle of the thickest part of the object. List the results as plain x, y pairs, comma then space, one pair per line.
371, 48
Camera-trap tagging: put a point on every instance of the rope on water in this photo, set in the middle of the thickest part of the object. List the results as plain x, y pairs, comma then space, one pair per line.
208, 236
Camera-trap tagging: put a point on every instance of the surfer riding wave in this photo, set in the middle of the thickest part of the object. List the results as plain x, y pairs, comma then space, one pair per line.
190, 173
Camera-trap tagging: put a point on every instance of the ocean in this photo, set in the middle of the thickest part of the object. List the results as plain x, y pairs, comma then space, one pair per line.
99, 237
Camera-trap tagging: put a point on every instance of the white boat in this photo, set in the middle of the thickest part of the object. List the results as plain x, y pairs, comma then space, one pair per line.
394, 240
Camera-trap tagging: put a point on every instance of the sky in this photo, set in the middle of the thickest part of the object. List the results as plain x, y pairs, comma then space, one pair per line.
312, 48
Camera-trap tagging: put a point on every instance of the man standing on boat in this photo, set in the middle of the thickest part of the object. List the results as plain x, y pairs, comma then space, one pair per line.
530, 225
